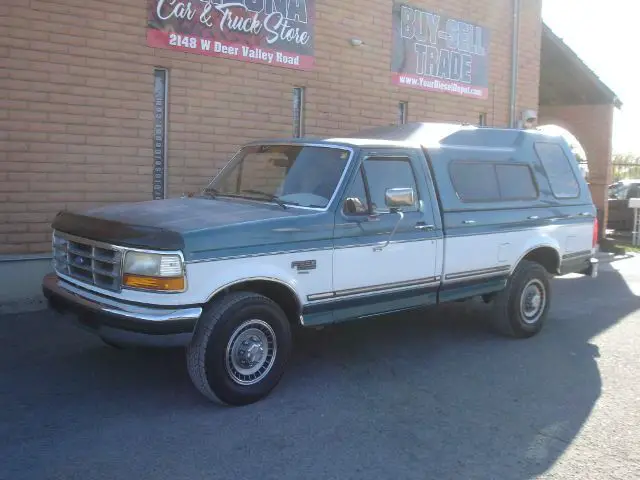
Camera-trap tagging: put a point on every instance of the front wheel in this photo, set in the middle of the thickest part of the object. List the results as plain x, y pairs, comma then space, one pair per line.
111, 344
240, 349
520, 310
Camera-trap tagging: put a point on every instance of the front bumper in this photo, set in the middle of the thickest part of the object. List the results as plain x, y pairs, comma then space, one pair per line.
121, 322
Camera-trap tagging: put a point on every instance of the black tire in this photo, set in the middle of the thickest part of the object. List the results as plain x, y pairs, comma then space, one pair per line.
111, 344
213, 372
508, 317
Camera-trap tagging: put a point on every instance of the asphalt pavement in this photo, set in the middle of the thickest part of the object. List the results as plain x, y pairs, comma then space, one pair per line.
434, 395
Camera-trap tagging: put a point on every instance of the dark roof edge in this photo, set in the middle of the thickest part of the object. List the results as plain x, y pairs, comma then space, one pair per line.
610, 94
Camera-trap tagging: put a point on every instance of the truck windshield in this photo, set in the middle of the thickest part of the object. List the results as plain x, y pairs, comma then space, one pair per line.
287, 174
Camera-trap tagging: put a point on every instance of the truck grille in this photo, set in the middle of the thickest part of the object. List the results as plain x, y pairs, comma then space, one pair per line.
90, 262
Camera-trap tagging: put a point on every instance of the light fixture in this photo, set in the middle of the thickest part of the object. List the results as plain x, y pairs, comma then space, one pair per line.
356, 42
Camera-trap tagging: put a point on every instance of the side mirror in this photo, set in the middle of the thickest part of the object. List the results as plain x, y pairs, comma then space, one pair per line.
354, 206
399, 197
395, 198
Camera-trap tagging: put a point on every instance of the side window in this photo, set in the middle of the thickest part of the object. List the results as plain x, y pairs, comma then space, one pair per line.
383, 173
564, 183
516, 182
356, 198
634, 191
475, 182
492, 182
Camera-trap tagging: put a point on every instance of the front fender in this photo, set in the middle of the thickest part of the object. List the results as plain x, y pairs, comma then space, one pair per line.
208, 278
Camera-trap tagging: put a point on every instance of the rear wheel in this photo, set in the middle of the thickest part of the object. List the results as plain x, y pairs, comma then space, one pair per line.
520, 310
240, 349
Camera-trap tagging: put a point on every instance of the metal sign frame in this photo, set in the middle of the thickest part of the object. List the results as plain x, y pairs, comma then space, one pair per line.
160, 100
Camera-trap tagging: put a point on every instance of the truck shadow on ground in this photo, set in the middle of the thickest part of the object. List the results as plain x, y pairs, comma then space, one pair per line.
432, 394
464, 402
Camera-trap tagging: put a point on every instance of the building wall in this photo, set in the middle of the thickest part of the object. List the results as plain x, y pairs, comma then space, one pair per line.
76, 103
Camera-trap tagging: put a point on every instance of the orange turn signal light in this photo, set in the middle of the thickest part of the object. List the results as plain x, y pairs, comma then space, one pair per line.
154, 283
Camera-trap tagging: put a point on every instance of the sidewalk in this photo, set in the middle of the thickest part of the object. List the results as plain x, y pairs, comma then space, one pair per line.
20, 280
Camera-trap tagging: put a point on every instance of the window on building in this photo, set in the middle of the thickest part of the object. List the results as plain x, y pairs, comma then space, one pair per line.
403, 112
492, 182
298, 112
557, 165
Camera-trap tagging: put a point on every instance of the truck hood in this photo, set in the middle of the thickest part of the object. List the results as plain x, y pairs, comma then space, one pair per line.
169, 224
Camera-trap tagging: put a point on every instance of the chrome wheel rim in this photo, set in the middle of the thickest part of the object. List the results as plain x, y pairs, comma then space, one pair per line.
251, 352
532, 301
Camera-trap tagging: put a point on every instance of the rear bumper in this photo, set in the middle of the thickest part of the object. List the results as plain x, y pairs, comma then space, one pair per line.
592, 269
121, 322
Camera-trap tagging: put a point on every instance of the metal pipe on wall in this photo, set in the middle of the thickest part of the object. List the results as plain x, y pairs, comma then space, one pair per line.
514, 63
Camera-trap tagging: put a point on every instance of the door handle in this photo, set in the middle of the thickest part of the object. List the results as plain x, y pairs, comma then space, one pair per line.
469, 222
584, 214
534, 217
424, 226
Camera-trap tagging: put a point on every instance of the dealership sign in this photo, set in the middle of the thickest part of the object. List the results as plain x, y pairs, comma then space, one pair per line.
437, 53
274, 32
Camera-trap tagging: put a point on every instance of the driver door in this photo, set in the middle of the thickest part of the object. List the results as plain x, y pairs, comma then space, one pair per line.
370, 275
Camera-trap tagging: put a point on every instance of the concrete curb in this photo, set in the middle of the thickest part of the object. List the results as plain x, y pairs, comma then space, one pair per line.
607, 257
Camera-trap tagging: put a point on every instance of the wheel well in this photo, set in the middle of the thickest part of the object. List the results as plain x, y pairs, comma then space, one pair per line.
547, 257
279, 293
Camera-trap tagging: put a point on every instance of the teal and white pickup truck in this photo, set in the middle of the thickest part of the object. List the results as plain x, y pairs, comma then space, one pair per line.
311, 232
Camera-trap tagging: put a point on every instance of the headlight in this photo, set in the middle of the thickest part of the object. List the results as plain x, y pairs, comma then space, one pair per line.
154, 271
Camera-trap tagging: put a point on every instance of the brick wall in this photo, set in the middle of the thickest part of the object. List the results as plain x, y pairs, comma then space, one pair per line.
76, 99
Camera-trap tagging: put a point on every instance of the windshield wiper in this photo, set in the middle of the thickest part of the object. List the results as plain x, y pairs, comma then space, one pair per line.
273, 198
